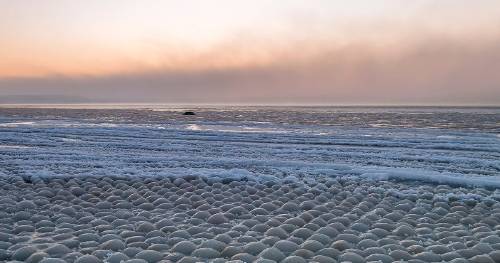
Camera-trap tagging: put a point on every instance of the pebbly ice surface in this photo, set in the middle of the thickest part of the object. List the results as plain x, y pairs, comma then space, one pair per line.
197, 219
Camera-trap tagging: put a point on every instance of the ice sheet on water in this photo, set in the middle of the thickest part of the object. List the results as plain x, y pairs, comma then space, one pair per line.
258, 148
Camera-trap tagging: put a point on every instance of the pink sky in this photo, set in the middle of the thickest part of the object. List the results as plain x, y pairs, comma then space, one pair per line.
230, 51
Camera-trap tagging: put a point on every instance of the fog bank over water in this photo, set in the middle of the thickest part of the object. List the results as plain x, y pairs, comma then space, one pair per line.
441, 72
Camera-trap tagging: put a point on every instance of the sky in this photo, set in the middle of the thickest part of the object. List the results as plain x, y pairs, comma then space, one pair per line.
397, 52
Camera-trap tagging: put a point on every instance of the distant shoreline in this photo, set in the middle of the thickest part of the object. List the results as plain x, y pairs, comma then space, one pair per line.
209, 105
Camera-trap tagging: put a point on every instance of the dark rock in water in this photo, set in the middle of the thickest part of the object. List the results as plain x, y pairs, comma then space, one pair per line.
189, 113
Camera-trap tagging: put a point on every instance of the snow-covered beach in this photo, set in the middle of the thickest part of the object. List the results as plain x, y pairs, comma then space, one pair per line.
255, 184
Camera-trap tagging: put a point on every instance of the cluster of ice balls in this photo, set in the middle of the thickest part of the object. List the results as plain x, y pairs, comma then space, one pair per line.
137, 220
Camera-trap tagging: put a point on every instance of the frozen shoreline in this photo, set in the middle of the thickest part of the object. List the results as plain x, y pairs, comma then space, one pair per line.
281, 186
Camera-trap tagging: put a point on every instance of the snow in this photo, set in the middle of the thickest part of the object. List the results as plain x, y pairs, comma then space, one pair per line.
238, 129
406, 174
15, 124
13, 146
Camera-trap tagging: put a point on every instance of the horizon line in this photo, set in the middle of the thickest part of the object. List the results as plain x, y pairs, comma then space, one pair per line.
139, 105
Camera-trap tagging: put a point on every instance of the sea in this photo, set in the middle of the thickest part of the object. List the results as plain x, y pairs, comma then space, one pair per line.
458, 146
